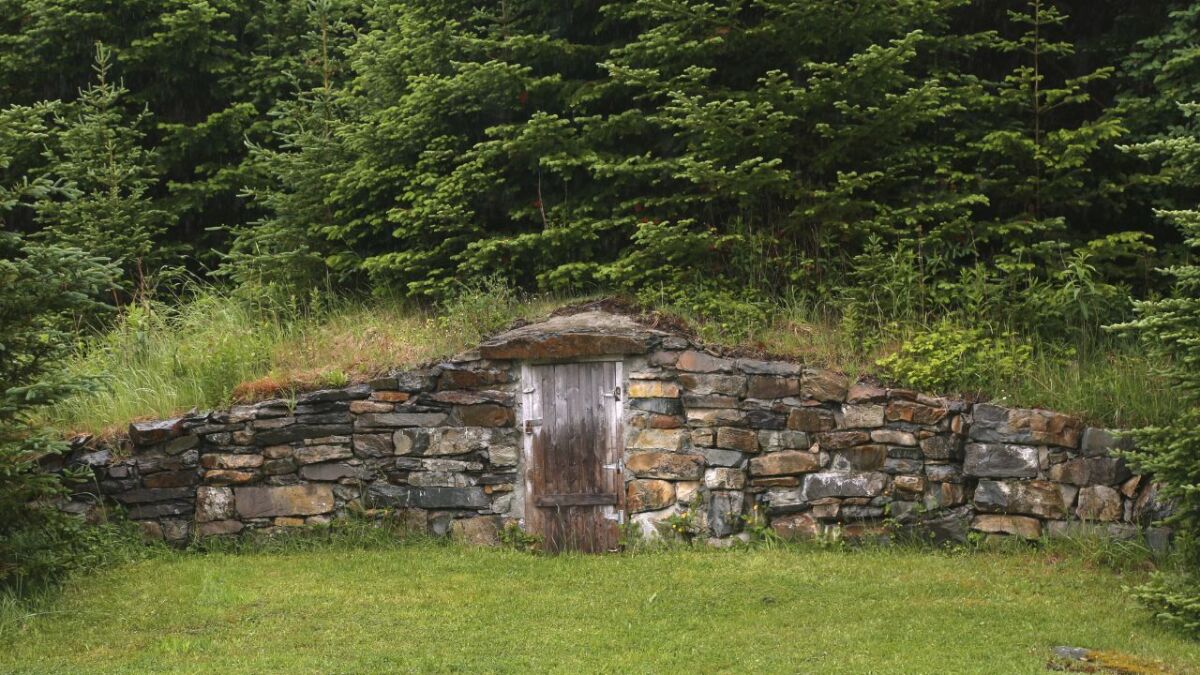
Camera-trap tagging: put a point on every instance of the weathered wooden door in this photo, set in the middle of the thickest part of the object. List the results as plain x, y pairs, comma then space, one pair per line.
574, 490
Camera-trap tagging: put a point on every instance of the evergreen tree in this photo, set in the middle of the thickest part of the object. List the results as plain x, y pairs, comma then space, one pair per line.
1170, 330
97, 154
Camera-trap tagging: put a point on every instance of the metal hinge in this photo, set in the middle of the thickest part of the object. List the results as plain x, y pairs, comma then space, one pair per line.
530, 424
615, 466
615, 394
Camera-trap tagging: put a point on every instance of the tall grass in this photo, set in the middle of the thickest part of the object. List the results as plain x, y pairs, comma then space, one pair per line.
217, 347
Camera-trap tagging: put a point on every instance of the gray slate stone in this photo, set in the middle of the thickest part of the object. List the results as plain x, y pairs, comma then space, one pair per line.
997, 460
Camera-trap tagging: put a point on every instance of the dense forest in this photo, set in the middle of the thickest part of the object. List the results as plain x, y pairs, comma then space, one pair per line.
706, 153
1008, 171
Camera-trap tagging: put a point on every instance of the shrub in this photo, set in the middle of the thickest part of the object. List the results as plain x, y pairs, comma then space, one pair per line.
953, 358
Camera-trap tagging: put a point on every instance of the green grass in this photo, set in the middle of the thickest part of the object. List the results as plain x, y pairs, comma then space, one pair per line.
430, 607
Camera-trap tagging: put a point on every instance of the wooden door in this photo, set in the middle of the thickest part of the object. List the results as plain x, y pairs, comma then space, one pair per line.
574, 490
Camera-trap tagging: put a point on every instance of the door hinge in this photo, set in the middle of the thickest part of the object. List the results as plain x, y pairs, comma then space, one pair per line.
615, 466
530, 424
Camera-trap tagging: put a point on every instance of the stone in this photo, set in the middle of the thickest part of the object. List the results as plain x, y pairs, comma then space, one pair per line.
710, 385
942, 447
353, 392
703, 438
503, 454
219, 527
332, 471
914, 413
658, 439
400, 419
770, 386
290, 500
171, 479
312, 454
1150, 508
1021, 526
838, 440
299, 432
668, 465
766, 420
1018, 425
160, 510
725, 512
811, 420
902, 465
455, 378
227, 461
214, 503
943, 473
722, 478
644, 420
1098, 442
995, 460
719, 457
1034, 498
653, 524
861, 416
785, 462
943, 529
909, 485
373, 445
1130, 487
178, 445
658, 406
469, 397
653, 389
757, 367
796, 526
391, 396
384, 494
893, 437
944, 495
279, 467
663, 358
700, 362
1099, 502
359, 407
840, 484
476, 531
742, 440
484, 415
229, 476
686, 490
774, 441
583, 334
864, 392
1091, 471
861, 458
648, 495
157, 431
714, 417
824, 385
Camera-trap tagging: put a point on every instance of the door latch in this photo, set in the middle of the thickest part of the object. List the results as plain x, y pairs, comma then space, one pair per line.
615, 466
529, 426
615, 394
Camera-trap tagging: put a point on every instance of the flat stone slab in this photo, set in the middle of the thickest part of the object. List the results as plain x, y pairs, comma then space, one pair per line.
592, 333
289, 500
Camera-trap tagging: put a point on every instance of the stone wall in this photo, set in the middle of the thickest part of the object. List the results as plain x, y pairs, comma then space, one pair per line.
717, 439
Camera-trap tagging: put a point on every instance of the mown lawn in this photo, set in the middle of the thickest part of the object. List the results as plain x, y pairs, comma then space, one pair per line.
430, 607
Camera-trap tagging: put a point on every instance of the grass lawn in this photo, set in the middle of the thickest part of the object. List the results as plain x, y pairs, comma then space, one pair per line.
430, 607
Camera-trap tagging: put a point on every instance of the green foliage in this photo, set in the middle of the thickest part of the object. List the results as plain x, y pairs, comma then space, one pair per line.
1174, 599
105, 174
952, 358
44, 291
1168, 329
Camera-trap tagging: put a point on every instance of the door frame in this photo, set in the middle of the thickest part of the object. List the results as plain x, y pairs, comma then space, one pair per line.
529, 402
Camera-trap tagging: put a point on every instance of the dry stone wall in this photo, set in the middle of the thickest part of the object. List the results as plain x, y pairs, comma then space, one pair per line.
711, 441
